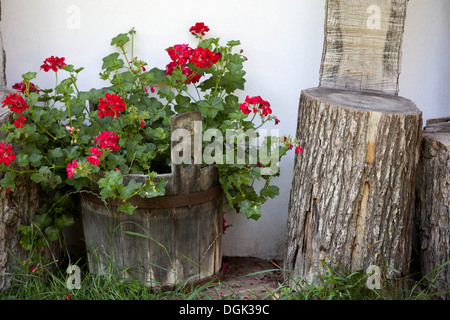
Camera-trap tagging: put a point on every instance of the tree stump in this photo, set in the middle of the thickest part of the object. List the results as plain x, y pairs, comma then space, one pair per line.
352, 193
433, 204
16, 208
351, 198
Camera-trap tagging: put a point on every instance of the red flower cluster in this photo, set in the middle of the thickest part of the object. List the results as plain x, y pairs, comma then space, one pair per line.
70, 168
199, 28
6, 155
182, 54
53, 63
259, 105
15, 102
107, 141
111, 106
22, 87
93, 159
204, 58
20, 122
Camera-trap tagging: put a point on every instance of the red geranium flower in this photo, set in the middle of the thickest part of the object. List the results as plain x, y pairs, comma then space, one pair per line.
15, 102
93, 159
180, 53
259, 105
54, 63
20, 122
111, 106
277, 121
107, 141
6, 155
199, 28
245, 108
204, 58
298, 149
22, 87
70, 168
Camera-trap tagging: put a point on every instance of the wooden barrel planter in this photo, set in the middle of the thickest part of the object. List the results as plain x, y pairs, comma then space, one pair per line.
168, 240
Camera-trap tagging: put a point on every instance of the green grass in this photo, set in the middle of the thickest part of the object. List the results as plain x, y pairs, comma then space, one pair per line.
49, 282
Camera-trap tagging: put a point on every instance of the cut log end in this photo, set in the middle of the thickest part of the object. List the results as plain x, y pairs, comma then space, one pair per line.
363, 100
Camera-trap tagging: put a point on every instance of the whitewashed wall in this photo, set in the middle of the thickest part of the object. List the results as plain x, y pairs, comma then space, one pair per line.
282, 40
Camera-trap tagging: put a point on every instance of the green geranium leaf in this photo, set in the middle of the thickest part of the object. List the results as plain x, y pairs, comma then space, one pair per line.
42, 220
154, 75
56, 153
64, 221
160, 133
127, 208
233, 43
43, 175
153, 189
130, 188
35, 159
52, 233
120, 40
110, 183
8, 180
33, 98
22, 160
29, 76
68, 68
251, 210
25, 240
77, 182
112, 62
270, 191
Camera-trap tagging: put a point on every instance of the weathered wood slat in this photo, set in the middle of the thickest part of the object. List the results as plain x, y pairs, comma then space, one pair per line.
362, 47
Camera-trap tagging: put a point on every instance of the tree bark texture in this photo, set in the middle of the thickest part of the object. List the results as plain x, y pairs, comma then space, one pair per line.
433, 204
16, 208
352, 193
362, 47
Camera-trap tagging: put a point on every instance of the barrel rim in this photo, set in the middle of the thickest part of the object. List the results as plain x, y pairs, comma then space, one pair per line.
162, 202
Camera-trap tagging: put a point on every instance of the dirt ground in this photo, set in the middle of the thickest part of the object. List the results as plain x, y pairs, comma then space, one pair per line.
247, 278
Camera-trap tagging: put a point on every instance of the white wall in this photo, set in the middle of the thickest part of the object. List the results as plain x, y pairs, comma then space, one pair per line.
282, 40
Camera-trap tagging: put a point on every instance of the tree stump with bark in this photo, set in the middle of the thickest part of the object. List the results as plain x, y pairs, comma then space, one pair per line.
433, 205
352, 197
352, 193
16, 208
